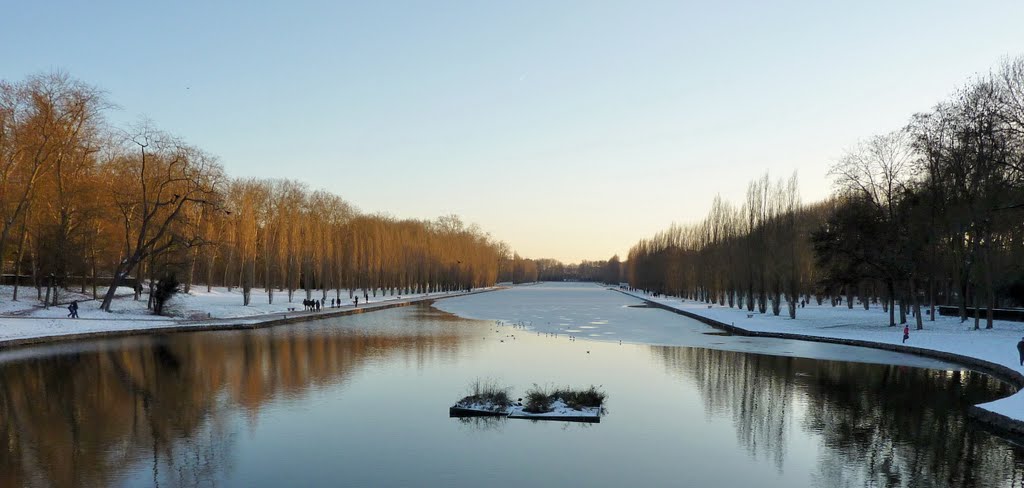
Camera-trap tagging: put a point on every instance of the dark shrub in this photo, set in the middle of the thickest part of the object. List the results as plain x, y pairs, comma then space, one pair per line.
166, 288
538, 400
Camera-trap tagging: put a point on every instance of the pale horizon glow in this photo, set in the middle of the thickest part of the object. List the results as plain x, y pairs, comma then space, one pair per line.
568, 130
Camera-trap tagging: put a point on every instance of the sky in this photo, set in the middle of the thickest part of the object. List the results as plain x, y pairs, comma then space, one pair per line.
569, 129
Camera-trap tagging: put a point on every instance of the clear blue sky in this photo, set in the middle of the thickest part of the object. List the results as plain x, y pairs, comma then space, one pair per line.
569, 129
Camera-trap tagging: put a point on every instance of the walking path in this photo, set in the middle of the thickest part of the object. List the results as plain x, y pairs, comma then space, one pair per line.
18, 330
991, 351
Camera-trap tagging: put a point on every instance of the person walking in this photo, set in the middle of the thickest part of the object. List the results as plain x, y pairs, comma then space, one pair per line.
1020, 350
906, 333
73, 309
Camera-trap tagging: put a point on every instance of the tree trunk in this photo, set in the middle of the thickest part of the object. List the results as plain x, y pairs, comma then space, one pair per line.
191, 270
49, 284
115, 282
963, 298
977, 307
891, 288
17, 263
990, 292
209, 271
137, 289
227, 268
917, 304
931, 299
750, 296
35, 274
988, 312
152, 282
903, 310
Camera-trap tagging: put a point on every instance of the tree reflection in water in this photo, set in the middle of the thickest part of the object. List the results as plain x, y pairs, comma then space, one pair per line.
167, 409
878, 425
84, 418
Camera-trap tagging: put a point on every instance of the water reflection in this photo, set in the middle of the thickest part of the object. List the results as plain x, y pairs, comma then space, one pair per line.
878, 425
81, 417
215, 409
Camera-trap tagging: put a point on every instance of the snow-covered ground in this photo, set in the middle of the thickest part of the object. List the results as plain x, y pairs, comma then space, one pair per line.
585, 311
27, 318
559, 411
947, 334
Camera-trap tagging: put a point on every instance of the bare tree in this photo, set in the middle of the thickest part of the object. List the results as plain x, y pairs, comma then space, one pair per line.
153, 179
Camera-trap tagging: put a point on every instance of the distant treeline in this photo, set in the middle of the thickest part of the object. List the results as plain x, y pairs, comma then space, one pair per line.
81, 199
932, 213
530, 270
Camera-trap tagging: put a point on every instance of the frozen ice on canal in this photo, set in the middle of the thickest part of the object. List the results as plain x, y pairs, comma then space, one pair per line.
592, 312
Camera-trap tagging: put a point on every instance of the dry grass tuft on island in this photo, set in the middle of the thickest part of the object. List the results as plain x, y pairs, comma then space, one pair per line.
565, 404
486, 398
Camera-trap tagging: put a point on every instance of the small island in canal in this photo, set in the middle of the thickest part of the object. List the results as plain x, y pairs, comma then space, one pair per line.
561, 404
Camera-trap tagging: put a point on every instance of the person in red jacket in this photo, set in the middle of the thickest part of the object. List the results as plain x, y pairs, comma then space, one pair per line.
906, 333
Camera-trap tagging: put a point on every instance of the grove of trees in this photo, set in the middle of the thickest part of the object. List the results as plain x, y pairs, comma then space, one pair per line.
931, 214
522, 270
85, 204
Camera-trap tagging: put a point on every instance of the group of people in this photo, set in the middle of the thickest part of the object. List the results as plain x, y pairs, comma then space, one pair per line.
316, 305
73, 309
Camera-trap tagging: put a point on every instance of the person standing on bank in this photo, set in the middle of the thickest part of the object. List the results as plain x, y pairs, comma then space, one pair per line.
906, 333
1020, 350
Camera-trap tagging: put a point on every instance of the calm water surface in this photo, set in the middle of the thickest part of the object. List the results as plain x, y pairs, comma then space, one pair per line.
362, 401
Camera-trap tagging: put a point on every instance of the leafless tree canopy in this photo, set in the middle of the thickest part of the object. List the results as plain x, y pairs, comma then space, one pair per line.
931, 214
88, 204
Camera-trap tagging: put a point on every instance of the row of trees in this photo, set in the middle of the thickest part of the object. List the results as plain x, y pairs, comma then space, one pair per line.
929, 214
751, 256
85, 203
521, 270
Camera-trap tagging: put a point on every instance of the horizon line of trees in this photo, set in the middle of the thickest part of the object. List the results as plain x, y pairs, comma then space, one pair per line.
930, 214
547, 269
83, 202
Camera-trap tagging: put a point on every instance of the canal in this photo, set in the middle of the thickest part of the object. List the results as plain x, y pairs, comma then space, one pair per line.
363, 401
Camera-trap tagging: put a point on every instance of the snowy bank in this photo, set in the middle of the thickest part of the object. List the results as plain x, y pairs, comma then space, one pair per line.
560, 411
991, 351
26, 322
587, 311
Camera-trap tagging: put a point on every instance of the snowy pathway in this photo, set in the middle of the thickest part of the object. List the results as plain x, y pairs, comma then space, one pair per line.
37, 325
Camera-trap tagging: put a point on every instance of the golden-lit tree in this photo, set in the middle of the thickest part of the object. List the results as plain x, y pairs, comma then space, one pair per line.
152, 178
